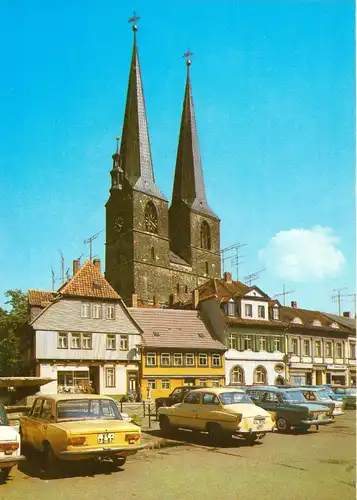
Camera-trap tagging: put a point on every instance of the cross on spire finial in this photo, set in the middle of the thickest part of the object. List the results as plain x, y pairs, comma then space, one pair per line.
187, 56
117, 140
133, 21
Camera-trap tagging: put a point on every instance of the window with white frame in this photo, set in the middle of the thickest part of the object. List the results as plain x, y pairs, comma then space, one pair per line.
190, 359
62, 340
328, 349
352, 351
165, 359
152, 384
109, 377
151, 359
216, 361
110, 312
260, 375
262, 344
86, 341
247, 342
295, 346
306, 345
96, 311
277, 344
124, 343
248, 310
75, 340
232, 341
231, 308
275, 312
202, 359
237, 375
178, 359
339, 350
261, 311
318, 348
111, 342
165, 384
85, 310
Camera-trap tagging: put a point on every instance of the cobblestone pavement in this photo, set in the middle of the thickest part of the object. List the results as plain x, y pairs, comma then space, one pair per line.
317, 465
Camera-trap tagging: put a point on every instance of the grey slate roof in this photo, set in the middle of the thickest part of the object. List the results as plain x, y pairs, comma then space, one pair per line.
349, 322
189, 184
135, 148
174, 329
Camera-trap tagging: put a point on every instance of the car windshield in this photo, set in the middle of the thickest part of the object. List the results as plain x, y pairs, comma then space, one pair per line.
3, 417
231, 398
294, 397
323, 395
87, 409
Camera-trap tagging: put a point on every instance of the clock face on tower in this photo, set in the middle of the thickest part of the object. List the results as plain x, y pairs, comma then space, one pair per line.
118, 224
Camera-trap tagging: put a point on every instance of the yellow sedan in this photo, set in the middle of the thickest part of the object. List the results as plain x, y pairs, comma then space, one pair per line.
78, 427
221, 412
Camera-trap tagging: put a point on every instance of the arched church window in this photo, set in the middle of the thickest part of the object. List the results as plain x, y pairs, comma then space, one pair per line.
205, 236
151, 217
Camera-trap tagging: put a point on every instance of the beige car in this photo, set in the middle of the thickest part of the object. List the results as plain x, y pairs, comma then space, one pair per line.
221, 412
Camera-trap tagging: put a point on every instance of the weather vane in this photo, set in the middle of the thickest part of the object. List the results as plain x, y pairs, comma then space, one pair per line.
187, 56
133, 21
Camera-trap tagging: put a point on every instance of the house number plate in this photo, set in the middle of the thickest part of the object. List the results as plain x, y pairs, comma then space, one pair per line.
106, 438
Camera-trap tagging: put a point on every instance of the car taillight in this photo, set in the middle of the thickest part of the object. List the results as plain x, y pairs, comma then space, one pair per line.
132, 437
76, 440
9, 446
239, 418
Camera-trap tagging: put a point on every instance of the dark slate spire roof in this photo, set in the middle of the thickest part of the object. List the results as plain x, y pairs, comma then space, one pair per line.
189, 185
135, 148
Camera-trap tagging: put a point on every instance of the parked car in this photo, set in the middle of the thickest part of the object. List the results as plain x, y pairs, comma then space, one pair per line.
78, 427
291, 408
346, 394
10, 445
176, 396
220, 411
321, 396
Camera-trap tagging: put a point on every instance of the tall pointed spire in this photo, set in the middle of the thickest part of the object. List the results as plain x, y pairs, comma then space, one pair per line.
135, 148
189, 185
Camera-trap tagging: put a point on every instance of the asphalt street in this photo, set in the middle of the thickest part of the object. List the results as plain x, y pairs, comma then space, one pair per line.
316, 465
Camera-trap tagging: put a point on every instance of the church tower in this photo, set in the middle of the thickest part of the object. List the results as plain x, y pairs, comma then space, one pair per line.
194, 228
137, 242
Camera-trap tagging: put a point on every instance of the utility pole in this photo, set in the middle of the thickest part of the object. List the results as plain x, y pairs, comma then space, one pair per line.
338, 297
89, 240
284, 294
234, 258
252, 277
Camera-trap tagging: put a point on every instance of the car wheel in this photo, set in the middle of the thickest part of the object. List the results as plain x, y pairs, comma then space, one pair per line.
282, 425
4, 473
215, 433
119, 461
51, 463
165, 425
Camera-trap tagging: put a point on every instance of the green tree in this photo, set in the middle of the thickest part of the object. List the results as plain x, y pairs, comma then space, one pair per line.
10, 321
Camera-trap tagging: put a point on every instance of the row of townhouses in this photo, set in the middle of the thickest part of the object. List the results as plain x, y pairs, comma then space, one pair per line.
85, 338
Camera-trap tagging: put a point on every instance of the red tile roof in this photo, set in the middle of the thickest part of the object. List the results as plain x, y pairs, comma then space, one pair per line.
40, 298
173, 328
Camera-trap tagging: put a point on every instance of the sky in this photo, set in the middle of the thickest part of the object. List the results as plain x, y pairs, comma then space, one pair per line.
274, 93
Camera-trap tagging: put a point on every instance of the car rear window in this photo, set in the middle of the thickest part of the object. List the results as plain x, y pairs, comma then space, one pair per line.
231, 398
87, 409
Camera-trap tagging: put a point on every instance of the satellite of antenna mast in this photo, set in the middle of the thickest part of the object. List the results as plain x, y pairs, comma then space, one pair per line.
252, 277
283, 294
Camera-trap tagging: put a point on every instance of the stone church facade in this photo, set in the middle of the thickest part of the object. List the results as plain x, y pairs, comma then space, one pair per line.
158, 254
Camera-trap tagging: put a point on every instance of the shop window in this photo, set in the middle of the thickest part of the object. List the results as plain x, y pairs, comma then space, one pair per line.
73, 381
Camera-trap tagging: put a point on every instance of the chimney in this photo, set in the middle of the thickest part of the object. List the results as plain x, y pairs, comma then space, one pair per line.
134, 300
75, 266
96, 262
195, 298
346, 314
294, 304
227, 277
156, 301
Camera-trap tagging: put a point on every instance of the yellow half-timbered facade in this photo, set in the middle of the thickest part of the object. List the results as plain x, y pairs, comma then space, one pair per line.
177, 350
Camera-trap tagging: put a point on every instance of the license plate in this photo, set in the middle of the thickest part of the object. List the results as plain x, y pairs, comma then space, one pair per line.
259, 423
106, 438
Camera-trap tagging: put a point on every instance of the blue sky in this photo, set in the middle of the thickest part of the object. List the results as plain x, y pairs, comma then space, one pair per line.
274, 92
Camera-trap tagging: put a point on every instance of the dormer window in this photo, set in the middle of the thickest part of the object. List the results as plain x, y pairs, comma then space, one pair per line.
316, 322
334, 325
248, 309
231, 308
261, 312
297, 321
275, 312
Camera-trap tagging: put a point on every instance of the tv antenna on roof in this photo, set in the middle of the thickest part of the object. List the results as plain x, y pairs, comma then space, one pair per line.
337, 298
283, 294
235, 258
89, 240
252, 277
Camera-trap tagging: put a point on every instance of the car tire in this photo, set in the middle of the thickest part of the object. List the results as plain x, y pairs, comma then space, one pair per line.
51, 462
4, 474
215, 433
119, 461
282, 424
165, 425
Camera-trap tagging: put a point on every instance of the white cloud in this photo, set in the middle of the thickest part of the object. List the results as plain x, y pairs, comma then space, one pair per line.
304, 254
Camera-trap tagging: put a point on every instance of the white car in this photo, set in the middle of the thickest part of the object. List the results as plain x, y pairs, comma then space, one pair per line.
10, 445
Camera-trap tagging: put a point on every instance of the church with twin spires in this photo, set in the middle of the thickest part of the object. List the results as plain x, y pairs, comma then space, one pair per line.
157, 254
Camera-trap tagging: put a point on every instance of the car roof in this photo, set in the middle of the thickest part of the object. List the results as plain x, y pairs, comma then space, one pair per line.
217, 390
274, 389
65, 397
